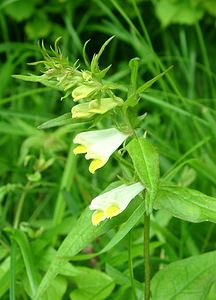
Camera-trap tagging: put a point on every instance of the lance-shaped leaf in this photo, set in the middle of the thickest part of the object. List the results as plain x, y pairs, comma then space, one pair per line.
149, 83
25, 248
133, 95
59, 121
188, 279
146, 163
37, 78
186, 204
79, 237
62, 120
95, 59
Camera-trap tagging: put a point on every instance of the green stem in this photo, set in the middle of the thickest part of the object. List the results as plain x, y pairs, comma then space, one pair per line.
20, 206
146, 255
130, 265
66, 183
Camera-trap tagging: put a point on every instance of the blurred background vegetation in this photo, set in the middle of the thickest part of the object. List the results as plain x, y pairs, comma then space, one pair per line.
36, 171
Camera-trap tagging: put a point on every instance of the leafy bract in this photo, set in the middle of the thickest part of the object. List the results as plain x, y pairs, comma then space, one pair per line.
58, 121
78, 238
149, 83
187, 279
133, 93
65, 119
120, 234
95, 61
186, 204
31, 77
146, 163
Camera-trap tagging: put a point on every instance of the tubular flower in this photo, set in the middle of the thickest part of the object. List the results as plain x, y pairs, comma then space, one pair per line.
88, 109
98, 145
84, 91
112, 203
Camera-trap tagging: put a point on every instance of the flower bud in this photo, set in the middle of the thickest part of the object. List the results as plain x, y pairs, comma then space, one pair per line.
84, 91
88, 109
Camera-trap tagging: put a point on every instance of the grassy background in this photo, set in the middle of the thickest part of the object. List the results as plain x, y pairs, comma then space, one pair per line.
180, 122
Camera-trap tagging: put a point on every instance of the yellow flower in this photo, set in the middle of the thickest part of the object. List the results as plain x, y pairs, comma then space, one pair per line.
84, 91
112, 203
88, 109
98, 145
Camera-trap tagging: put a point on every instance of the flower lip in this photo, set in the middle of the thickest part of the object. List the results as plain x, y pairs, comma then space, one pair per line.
112, 203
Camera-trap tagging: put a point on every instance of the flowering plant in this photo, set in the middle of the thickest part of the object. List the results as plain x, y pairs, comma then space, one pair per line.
100, 104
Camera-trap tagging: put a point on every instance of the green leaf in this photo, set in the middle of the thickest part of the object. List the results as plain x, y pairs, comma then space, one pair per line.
132, 99
59, 121
65, 119
212, 292
85, 57
43, 79
95, 59
186, 204
78, 238
146, 163
187, 279
20, 10
134, 66
32, 78
26, 251
149, 83
39, 26
133, 94
5, 273
178, 12
103, 72
55, 291
92, 284
120, 234
13, 270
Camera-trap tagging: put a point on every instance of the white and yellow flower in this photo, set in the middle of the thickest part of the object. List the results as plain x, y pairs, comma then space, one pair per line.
88, 109
112, 203
98, 145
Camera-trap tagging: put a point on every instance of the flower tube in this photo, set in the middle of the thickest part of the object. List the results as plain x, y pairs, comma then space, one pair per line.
88, 109
98, 145
112, 203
